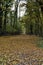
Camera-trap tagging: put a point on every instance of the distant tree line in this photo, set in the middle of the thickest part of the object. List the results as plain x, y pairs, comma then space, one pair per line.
8, 18
33, 18
30, 23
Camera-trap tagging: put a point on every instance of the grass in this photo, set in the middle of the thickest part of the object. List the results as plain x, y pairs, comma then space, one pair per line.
40, 43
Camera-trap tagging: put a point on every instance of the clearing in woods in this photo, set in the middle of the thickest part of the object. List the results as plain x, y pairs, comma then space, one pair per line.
20, 49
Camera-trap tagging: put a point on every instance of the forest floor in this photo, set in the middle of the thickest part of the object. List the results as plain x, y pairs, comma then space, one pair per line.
21, 50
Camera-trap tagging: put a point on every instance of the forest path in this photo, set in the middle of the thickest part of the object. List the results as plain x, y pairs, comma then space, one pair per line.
20, 50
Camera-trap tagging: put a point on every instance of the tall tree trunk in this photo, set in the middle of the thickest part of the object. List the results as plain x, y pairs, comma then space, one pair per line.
15, 13
11, 18
1, 15
0, 25
5, 22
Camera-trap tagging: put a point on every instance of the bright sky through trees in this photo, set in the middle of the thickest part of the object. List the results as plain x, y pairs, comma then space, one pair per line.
22, 9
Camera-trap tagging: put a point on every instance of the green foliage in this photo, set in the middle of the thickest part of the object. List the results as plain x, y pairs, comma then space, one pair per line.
39, 43
30, 23
33, 18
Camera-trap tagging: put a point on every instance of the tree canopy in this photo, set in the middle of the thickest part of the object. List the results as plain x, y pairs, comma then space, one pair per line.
30, 23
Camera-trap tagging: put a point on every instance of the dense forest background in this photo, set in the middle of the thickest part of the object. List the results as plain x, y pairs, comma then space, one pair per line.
30, 23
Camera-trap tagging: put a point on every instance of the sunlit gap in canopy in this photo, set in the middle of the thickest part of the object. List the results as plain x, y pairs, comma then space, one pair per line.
21, 10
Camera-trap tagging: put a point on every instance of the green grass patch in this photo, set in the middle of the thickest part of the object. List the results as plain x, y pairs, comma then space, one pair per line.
40, 43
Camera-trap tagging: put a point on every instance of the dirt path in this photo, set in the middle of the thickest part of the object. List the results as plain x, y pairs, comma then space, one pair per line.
20, 50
